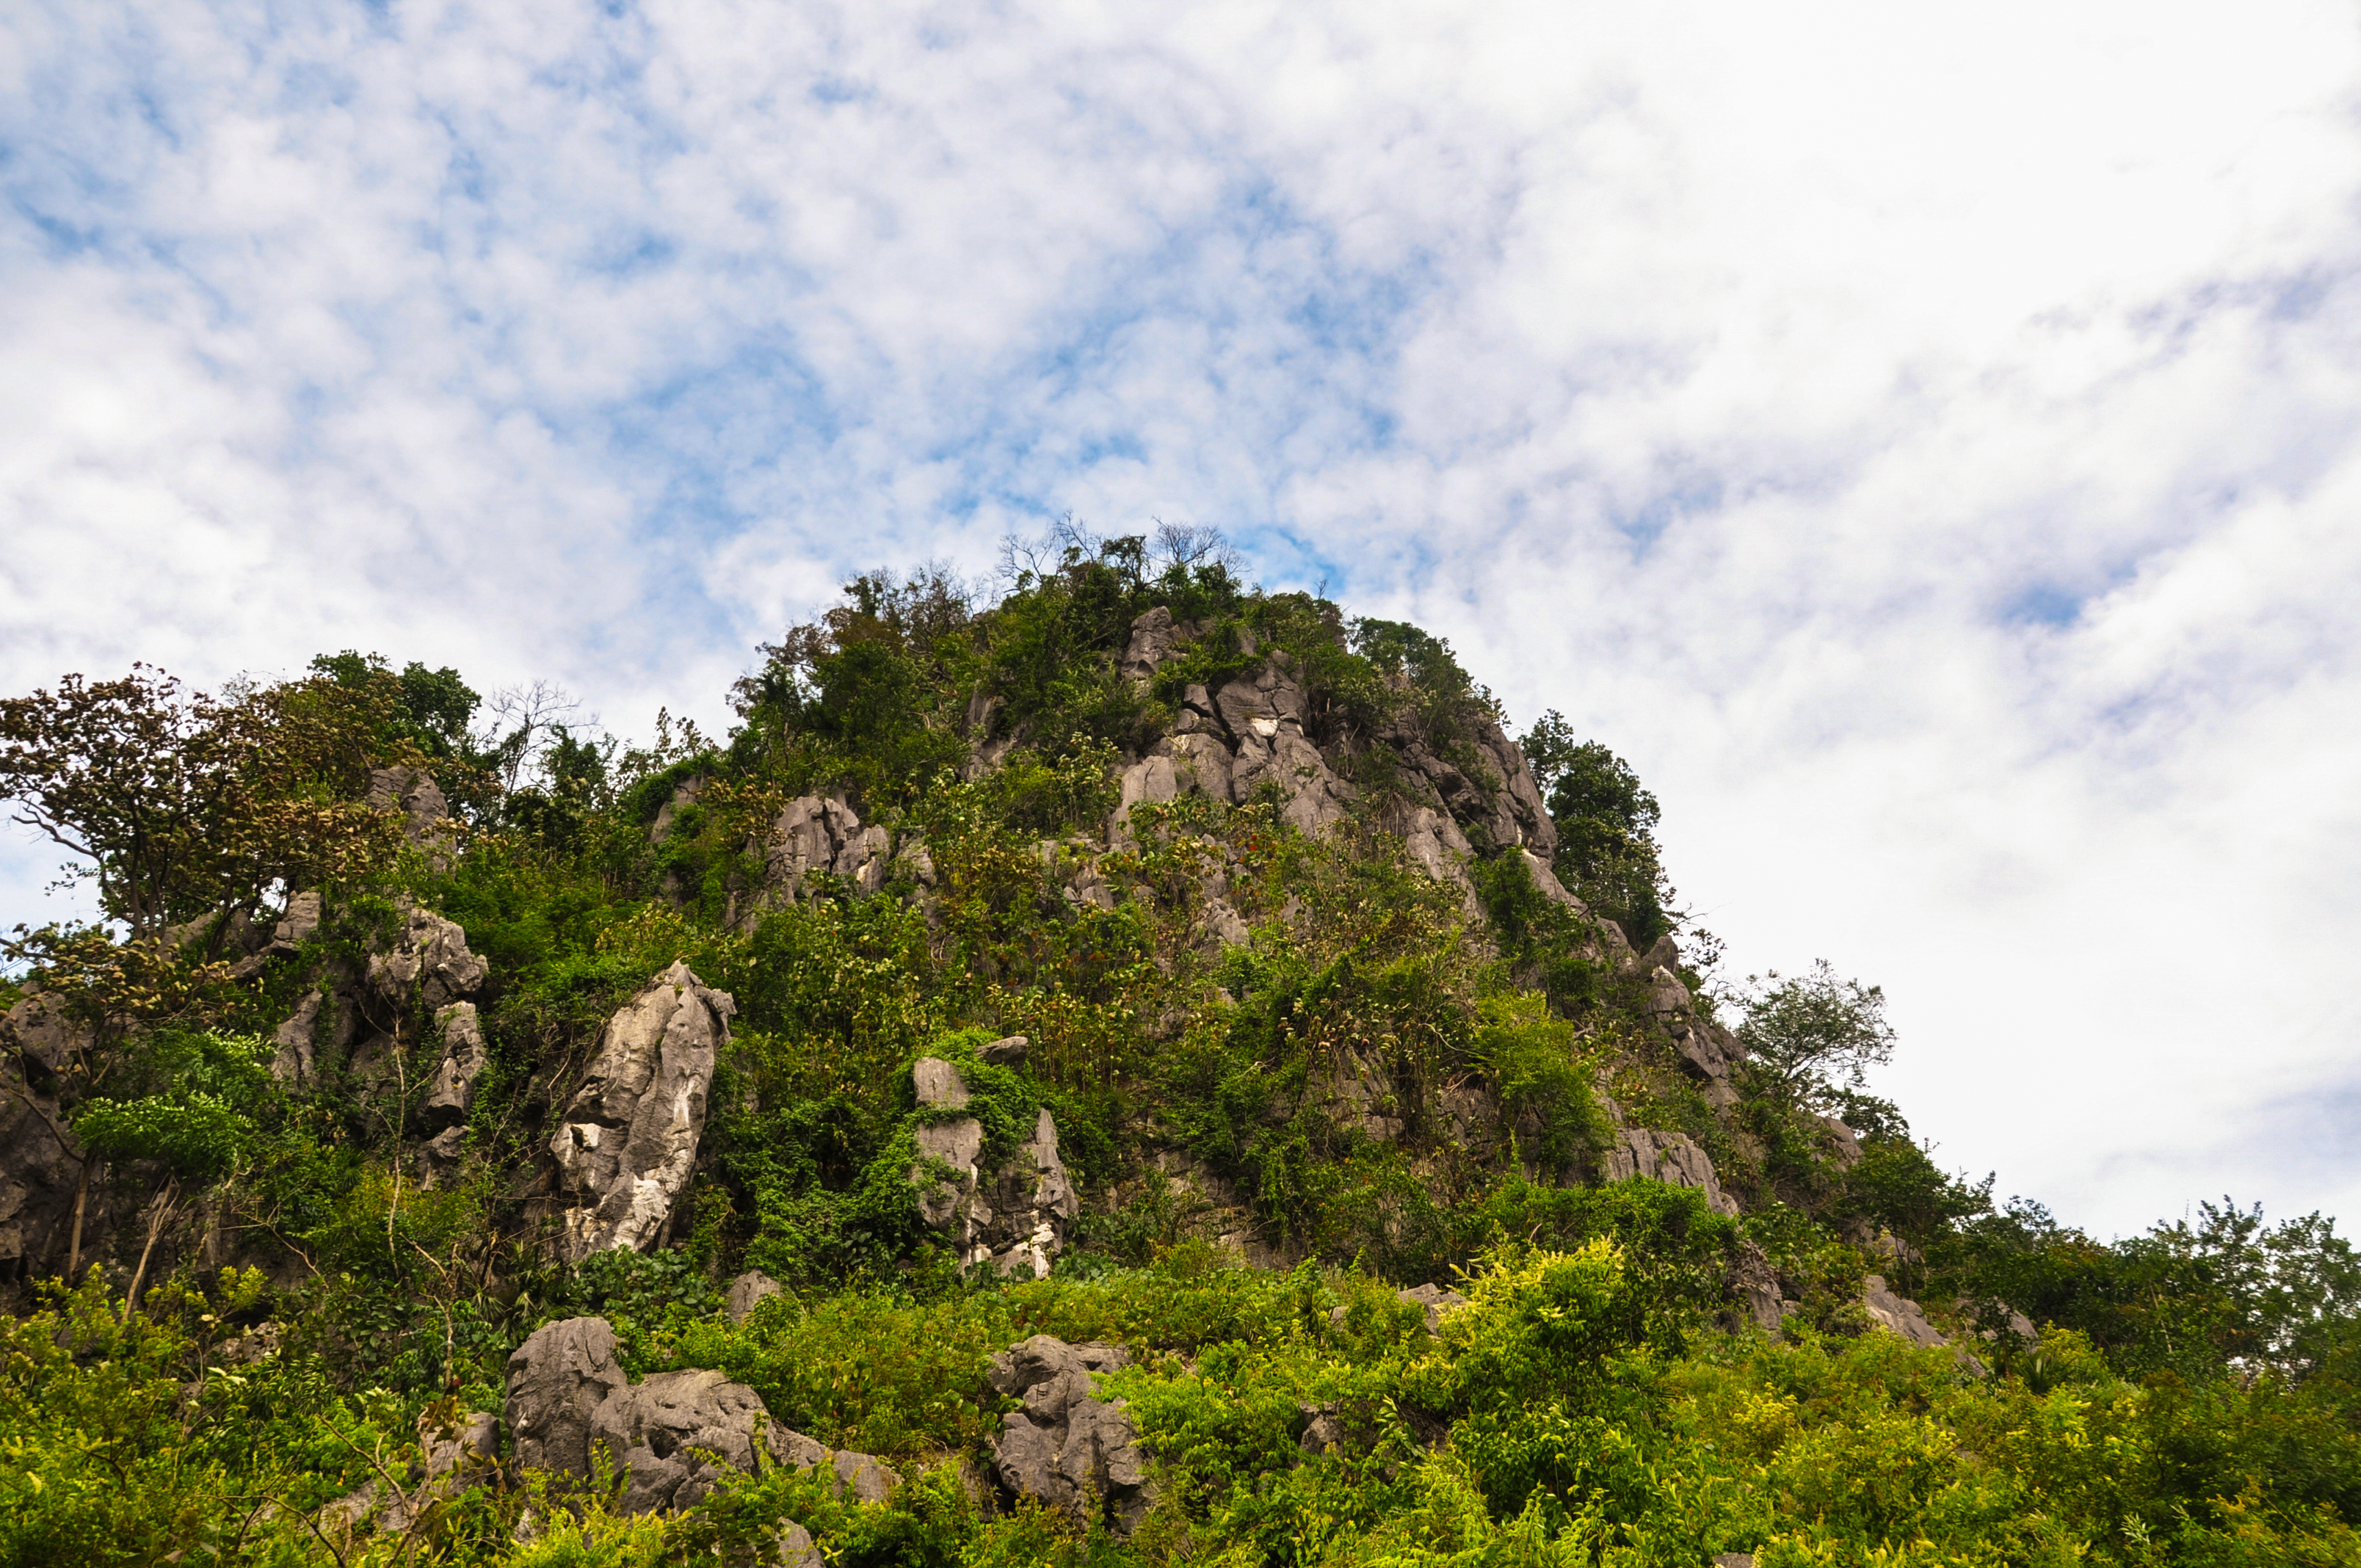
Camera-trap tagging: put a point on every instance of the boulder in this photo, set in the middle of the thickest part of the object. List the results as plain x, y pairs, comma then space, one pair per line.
557, 1380
1010, 1051
1015, 1216
626, 1144
677, 1434
1436, 1299
748, 1292
1067, 1447
673, 1436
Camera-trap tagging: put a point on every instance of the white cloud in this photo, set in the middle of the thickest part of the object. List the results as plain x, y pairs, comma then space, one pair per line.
1924, 442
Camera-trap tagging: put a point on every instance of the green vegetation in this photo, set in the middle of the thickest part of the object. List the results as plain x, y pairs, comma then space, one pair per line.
1390, 1079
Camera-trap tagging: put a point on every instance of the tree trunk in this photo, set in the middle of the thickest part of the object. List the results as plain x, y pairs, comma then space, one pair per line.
158, 1214
81, 1197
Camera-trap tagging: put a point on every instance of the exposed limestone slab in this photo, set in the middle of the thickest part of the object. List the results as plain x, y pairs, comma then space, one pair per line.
626, 1144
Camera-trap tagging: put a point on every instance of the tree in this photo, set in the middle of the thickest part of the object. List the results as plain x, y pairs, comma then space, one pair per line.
1810, 1038
179, 804
1606, 828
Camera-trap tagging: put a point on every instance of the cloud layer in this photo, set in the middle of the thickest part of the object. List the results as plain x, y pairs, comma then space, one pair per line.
1924, 446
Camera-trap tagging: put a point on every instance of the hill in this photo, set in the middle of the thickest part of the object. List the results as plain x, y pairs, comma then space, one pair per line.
1145, 1069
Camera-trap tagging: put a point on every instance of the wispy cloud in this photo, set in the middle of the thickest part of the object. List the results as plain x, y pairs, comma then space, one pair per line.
1926, 443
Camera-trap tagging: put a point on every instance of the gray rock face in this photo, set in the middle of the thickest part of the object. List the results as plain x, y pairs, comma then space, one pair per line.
1899, 1314
1067, 1447
674, 1435
298, 926
1154, 637
1673, 1158
814, 834
748, 1292
453, 1092
687, 794
1017, 1216
627, 1142
1006, 1051
443, 1113
425, 812
662, 1429
1841, 1140
297, 1058
1358, 1095
38, 1172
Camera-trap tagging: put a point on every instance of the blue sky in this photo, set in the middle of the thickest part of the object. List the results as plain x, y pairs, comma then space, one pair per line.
1925, 445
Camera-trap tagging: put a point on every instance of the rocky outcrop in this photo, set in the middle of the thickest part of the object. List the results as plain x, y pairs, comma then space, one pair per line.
685, 793
350, 1016
1067, 1447
815, 835
1674, 1158
1358, 1095
1015, 1216
452, 1095
1899, 1314
425, 813
40, 1160
626, 1144
673, 1437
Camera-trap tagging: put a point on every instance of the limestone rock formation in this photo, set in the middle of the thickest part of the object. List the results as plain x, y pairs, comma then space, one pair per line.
1673, 1158
1015, 1216
556, 1381
40, 1161
443, 1112
1067, 1447
626, 1144
748, 1292
815, 834
425, 813
672, 1434
1899, 1314
429, 961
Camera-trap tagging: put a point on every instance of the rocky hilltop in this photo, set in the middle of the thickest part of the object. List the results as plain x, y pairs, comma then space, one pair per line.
1120, 1072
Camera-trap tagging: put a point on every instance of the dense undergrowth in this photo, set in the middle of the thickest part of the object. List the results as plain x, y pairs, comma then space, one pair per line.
1603, 1398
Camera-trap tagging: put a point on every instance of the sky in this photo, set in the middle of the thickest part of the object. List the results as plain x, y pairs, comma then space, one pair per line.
1924, 442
